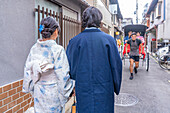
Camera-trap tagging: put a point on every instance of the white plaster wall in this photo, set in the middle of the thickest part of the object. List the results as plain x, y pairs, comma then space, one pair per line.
150, 37
105, 12
167, 20
159, 20
163, 28
160, 31
17, 31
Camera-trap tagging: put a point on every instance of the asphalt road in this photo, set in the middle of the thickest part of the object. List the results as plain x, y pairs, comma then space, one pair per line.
151, 88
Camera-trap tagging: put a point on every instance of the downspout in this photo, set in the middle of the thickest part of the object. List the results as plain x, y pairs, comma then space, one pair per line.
164, 10
156, 28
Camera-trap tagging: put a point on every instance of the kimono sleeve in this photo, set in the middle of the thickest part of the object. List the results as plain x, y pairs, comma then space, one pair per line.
27, 81
65, 84
116, 66
73, 58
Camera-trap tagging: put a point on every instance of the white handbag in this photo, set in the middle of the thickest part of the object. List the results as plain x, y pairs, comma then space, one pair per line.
30, 109
37, 67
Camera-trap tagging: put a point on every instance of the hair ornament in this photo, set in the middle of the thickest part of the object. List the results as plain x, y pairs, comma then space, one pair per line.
41, 28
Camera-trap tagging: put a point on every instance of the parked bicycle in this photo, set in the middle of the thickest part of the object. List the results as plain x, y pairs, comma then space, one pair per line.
164, 61
163, 56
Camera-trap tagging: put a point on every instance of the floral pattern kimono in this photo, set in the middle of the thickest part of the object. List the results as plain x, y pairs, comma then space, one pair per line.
46, 77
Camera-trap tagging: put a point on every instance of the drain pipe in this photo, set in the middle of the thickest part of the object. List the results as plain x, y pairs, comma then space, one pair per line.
164, 9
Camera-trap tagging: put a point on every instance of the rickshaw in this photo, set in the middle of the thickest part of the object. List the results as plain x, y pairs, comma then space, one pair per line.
145, 53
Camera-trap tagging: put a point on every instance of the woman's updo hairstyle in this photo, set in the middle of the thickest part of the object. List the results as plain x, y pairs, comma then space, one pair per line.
49, 26
92, 17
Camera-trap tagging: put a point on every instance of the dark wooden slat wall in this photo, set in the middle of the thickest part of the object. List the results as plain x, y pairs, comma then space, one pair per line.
69, 26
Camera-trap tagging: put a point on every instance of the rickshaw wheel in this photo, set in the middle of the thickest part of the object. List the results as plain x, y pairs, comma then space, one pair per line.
124, 59
147, 62
143, 61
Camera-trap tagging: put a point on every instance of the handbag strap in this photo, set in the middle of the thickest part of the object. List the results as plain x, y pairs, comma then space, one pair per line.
31, 102
74, 99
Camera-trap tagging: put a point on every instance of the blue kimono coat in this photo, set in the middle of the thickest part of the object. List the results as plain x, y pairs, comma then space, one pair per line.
96, 66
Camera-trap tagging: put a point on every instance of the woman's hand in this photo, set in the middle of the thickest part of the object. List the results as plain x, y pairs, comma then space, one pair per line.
74, 92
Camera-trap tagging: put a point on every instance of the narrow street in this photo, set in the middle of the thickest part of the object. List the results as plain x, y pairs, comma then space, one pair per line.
40, 54
151, 89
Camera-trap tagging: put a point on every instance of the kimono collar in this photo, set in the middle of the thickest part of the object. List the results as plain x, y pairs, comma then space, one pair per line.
92, 29
46, 43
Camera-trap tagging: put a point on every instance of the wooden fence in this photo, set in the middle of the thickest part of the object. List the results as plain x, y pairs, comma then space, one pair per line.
69, 26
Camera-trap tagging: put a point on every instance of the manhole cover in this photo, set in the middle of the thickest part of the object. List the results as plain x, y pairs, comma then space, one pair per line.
124, 99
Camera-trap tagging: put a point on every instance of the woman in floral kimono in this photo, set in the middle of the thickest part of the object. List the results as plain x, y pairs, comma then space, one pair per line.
46, 73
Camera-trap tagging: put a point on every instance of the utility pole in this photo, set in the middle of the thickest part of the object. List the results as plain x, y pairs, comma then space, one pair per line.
136, 11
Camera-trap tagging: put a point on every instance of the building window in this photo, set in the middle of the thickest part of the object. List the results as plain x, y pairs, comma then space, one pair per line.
159, 9
152, 17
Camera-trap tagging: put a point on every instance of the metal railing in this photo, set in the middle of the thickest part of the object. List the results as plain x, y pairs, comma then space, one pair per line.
69, 26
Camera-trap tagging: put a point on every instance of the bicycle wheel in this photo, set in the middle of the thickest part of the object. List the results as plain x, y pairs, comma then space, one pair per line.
164, 62
147, 62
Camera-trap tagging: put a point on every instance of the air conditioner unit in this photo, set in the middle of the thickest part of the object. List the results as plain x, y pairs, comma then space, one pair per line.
113, 8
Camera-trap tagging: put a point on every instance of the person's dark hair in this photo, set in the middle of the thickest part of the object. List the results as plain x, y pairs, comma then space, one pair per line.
49, 26
138, 32
134, 33
92, 17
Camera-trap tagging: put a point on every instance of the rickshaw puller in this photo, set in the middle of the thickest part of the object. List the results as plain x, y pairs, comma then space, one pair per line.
134, 53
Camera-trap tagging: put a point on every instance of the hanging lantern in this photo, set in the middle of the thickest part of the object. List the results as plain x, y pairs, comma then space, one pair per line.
117, 33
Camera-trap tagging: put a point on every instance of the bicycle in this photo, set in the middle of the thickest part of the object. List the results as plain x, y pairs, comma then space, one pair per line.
164, 61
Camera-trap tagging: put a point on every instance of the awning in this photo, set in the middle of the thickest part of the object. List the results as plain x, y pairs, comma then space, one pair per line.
135, 28
151, 7
155, 25
149, 29
116, 27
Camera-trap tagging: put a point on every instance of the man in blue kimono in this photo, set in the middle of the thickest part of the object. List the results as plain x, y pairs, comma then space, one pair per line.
96, 66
